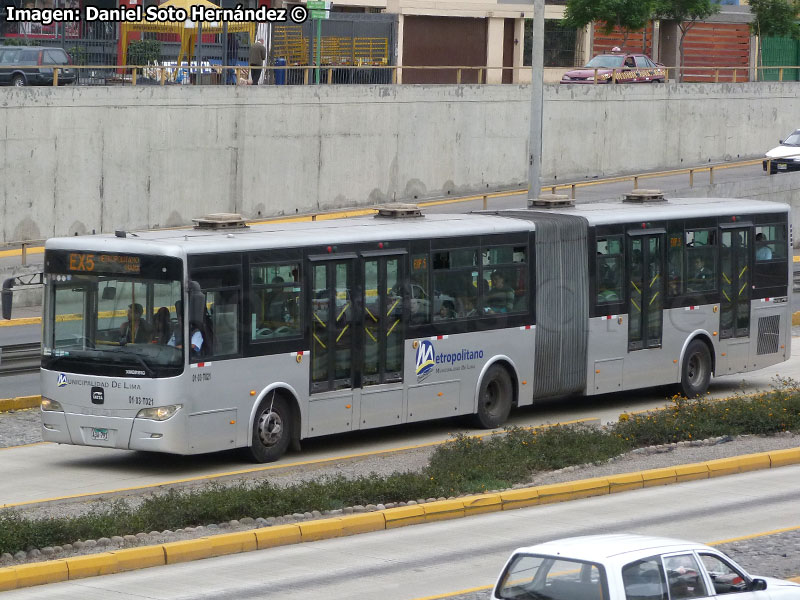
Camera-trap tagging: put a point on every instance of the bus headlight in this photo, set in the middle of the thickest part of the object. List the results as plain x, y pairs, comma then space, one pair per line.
159, 413
49, 405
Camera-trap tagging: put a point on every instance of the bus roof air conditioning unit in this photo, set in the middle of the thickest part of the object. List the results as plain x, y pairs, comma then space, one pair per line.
399, 211
216, 221
642, 196
553, 201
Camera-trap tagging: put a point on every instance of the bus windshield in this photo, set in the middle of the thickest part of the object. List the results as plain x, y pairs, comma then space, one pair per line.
113, 325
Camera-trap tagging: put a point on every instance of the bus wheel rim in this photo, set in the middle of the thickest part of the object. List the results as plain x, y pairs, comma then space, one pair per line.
695, 371
270, 428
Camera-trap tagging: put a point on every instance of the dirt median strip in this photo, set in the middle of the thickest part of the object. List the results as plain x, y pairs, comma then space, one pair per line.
129, 559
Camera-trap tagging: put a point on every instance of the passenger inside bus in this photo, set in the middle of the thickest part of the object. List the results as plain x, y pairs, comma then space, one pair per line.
162, 326
701, 280
135, 330
195, 335
501, 297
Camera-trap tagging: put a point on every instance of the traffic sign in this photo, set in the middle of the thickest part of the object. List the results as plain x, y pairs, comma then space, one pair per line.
318, 9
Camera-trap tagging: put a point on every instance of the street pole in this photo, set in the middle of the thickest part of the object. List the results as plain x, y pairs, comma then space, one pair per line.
537, 101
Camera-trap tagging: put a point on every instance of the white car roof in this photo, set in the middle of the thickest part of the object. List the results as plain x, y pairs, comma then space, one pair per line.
618, 547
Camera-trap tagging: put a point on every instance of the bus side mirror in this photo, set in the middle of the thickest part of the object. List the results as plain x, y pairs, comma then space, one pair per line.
109, 292
197, 303
5, 297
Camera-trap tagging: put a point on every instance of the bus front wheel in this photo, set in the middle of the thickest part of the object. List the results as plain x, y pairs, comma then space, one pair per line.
695, 370
494, 398
272, 429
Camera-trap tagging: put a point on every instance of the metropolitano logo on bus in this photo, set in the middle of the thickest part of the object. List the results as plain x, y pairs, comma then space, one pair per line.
427, 359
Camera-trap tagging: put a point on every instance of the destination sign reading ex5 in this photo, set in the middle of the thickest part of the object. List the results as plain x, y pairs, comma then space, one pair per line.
85, 262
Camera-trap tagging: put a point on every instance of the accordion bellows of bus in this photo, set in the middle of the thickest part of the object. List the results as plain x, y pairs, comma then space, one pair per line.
193, 341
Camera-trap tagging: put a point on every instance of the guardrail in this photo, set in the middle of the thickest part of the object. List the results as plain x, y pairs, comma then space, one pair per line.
303, 74
20, 358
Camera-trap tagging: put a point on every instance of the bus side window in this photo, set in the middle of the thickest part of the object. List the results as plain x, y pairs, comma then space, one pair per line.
701, 260
505, 270
675, 275
219, 324
420, 294
609, 269
275, 301
770, 242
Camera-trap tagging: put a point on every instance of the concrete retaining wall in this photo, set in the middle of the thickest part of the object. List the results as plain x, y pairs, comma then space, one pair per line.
77, 160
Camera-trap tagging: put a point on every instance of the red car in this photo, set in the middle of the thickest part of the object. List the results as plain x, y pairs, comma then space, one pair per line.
627, 68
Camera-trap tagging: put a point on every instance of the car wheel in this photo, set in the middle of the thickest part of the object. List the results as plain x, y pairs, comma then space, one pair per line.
18, 81
695, 370
272, 429
494, 398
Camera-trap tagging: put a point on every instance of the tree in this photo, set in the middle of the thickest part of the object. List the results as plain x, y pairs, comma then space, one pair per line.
686, 13
773, 18
627, 15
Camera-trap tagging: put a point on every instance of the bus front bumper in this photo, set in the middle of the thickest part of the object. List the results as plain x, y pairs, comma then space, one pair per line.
115, 432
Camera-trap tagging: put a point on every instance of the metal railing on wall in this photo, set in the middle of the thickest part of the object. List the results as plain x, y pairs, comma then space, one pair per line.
300, 74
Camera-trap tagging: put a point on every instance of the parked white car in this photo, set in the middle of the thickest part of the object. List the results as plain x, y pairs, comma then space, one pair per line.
785, 157
631, 567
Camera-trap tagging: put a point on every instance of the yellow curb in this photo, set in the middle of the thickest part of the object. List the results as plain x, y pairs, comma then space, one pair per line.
624, 482
482, 503
404, 515
280, 535
321, 529
519, 498
692, 472
18, 251
740, 464
187, 550
555, 492
780, 458
233, 543
653, 477
796, 317
443, 509
363, 523
51, 571
130, 559
21, 321
8, 579
19, 403
91, 565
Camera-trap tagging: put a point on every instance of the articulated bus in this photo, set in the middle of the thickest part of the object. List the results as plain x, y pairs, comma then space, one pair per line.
317, 328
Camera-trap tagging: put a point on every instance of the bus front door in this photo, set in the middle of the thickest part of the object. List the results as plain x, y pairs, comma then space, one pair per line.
645, 290
382, 334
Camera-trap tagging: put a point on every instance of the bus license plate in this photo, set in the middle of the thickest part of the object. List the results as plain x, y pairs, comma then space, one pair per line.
782, 166
100, 434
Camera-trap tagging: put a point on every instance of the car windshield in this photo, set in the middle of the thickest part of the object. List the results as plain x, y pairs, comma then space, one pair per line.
536, 577
605, 62
793, 140
111, 325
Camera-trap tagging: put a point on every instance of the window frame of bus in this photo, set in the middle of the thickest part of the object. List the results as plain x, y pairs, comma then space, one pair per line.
607, 308
224, 262
284, 344
620, 238
524, 237
771, 278
254, 288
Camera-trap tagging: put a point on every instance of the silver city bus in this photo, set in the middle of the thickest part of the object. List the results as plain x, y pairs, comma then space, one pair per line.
300, 330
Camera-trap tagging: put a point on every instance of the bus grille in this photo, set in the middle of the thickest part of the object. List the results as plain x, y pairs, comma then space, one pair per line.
768, 334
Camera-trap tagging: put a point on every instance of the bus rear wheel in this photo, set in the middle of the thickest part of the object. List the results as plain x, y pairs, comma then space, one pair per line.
494, 398
695, 370
272, 429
